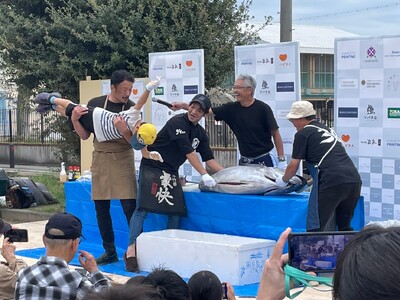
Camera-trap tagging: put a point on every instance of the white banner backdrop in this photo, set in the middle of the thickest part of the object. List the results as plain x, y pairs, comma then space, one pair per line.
182, 77
276, 68
367, 117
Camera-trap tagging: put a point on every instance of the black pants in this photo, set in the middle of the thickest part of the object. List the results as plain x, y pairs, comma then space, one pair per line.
336, 206
105, 223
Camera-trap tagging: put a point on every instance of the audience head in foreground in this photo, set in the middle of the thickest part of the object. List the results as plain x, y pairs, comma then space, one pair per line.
169, 284
127, 292
205, 285
369, 266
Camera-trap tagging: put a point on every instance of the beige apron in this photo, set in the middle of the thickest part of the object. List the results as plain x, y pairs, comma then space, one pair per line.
113, 170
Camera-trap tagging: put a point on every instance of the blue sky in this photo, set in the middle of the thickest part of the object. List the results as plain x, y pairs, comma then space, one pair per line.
367, 18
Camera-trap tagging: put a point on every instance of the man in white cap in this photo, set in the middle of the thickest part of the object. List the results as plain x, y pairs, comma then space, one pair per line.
9, 269
336, 181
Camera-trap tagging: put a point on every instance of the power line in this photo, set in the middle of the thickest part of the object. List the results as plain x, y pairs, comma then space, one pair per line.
360, 10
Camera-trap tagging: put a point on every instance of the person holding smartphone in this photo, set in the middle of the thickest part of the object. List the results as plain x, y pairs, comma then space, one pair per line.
205, 285
10, 268
336, 181
367, 269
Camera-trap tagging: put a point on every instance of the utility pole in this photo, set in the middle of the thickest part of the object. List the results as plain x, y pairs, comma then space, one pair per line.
286, 21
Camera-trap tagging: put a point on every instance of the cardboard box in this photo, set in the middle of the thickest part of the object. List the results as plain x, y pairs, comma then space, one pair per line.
235, 259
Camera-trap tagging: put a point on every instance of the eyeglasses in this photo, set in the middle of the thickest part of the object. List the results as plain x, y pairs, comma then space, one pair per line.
81, 239
236, 87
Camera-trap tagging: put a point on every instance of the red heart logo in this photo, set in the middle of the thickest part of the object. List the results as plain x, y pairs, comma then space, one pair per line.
135, 91
345, 138
189, 63
282, 57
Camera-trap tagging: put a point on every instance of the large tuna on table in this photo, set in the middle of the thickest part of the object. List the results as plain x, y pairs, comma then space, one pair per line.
255, 180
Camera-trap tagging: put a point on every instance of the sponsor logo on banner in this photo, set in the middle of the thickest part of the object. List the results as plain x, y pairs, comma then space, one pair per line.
371, 83
246, 62
372, 142
370, 113
265, 90
175, 66
283, 60
394, 112
285, 86
348, 83
189, 67
393, 53
282, 57
346, 141
265, 61
174, 90
371, 55
158, 67
348, 54
159, 91
190, 89
287, 141
348, 112
135, 92
393, 143
393, 83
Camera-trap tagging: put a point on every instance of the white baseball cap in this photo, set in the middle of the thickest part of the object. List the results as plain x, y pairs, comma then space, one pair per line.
301, 109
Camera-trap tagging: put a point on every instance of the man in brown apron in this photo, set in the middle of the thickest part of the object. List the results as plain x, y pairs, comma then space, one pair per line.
113, 171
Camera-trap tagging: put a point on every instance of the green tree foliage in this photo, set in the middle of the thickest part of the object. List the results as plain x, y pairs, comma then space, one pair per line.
53, 44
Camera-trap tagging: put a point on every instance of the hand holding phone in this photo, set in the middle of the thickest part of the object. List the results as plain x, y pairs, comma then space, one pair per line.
17, 235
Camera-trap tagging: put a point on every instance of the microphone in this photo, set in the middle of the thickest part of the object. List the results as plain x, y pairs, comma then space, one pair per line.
155, 99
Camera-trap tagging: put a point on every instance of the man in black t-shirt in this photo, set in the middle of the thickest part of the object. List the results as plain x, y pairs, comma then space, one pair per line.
160, 190
336, 181
253, 123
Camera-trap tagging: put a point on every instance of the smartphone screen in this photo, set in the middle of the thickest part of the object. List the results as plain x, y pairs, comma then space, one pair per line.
224, 291
17, 235
317, 251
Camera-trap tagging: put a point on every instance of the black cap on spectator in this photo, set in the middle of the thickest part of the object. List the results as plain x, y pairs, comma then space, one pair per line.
70, 225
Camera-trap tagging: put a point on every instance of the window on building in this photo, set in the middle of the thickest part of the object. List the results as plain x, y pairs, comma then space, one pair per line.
323, 75
305, 70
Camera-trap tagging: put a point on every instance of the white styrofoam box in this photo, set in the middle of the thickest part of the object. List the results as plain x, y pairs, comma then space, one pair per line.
323, 264
235, 259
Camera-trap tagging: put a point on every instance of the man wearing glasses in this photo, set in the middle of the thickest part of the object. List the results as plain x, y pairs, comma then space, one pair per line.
253, 123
